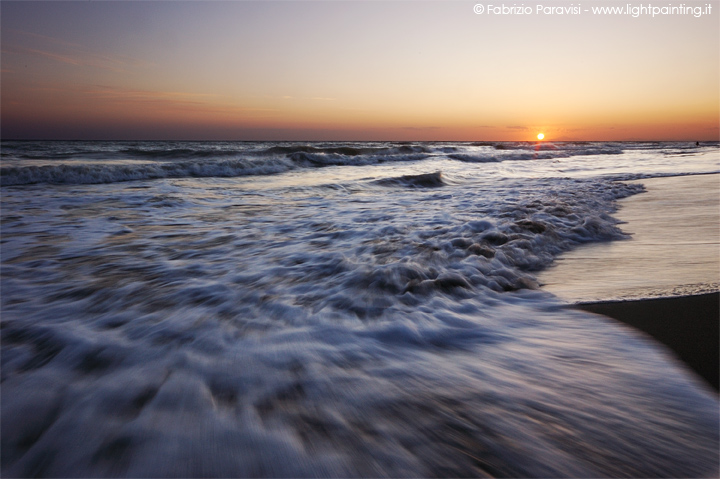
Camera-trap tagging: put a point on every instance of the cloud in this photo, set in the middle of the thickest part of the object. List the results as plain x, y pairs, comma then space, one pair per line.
54, 56
47, 38
105, 62
517, 127
127, 94
189, 101
71, 53
290, 97
159, 100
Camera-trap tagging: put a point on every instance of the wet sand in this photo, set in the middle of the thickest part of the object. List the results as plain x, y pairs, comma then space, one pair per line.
688, 325
674, 249
664, 280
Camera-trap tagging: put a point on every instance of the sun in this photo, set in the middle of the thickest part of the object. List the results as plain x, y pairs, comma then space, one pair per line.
541, 136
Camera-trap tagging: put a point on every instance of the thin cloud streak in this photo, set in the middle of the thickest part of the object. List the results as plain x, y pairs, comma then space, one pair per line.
54, 40
73, 54
197, 102
96, 61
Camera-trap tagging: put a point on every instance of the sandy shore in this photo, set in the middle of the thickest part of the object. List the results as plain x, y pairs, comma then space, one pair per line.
688, 325
673, 256
674, 248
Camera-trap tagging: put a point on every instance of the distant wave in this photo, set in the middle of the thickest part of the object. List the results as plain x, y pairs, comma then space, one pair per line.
328, 159
174, 153
98, 162
347, 150
111, 173
97, 173
286, 150
507, 152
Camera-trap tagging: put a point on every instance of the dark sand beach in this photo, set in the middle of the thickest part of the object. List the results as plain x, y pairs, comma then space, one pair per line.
664, 280
688, 325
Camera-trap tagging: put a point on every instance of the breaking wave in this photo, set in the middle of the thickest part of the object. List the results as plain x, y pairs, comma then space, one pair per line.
27, 163
112, 173
427, 180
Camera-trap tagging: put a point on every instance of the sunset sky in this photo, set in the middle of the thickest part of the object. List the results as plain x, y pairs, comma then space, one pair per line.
379, 70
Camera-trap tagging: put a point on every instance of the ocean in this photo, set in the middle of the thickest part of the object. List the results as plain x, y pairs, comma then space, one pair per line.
337, 309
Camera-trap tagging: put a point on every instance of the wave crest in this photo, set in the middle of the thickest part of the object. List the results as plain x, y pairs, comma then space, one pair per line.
426, 180
98, 173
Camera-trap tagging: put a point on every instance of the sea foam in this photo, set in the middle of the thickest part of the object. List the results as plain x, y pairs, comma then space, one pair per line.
366, 318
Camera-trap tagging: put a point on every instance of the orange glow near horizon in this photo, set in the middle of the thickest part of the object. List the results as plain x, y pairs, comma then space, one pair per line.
92, 112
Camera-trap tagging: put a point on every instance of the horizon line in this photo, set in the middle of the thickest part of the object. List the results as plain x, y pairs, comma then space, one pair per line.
376, 141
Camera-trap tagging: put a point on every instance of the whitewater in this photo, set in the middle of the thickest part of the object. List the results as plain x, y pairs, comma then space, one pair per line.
342, 309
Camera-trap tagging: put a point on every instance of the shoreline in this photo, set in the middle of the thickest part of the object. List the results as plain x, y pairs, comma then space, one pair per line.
664, 281
673, 248
688, 325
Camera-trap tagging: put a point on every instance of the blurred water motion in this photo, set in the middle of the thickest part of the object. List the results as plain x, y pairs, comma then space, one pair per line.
328, 310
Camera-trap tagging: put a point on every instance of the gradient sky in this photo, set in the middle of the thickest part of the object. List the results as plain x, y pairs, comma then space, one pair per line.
379, 70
